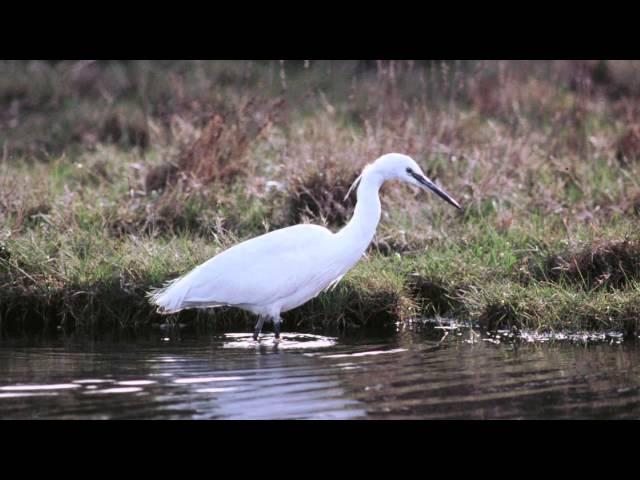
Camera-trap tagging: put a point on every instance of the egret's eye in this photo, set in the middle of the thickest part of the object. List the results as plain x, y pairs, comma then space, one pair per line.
409, 171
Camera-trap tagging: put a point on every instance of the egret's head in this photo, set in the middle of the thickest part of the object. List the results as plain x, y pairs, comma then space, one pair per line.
402, 167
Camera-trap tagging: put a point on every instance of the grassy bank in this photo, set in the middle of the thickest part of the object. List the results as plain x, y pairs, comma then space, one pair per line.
116, 177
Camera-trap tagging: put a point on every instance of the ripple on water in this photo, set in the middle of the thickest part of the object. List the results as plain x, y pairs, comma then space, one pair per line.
114, 390
364, 354
27, 394
134, 383
91, 381
205, 380
216, 390
29, 388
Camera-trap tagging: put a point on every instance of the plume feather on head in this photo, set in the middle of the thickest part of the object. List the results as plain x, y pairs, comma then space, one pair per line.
356, 181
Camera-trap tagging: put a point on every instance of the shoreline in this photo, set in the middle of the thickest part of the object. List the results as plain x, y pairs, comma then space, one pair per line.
380, 292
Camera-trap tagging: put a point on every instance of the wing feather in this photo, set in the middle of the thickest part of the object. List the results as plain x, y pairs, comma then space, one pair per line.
257, 271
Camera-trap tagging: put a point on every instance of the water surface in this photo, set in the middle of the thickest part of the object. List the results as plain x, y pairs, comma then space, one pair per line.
409, 375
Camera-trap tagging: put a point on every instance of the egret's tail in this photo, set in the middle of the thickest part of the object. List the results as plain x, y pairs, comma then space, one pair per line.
170, 297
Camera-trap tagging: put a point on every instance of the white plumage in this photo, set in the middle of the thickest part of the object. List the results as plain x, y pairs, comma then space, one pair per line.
283, 269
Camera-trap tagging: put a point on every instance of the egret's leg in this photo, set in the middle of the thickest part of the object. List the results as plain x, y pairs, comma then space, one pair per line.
258, 328
276, 327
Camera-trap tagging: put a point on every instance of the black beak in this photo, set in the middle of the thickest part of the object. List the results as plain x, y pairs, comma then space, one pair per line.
435, 189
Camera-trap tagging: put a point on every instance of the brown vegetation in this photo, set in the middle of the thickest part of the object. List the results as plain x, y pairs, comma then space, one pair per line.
628, 145
605, 264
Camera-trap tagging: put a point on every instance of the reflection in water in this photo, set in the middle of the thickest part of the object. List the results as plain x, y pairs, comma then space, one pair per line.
290, 341
313, 377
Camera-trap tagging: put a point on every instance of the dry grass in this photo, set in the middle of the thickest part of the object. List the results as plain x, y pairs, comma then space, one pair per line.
604, 264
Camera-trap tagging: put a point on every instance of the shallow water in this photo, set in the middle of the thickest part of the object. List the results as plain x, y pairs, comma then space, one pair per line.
410, 375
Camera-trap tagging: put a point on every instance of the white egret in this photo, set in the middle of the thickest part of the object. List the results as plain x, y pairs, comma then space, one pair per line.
283, 269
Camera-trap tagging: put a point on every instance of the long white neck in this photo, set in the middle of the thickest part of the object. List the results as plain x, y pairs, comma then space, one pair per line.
362, 226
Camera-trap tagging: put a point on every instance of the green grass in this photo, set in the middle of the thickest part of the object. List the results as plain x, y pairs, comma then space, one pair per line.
547, 239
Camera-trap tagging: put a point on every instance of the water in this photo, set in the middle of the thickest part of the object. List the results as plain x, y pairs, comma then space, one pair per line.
410, 375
